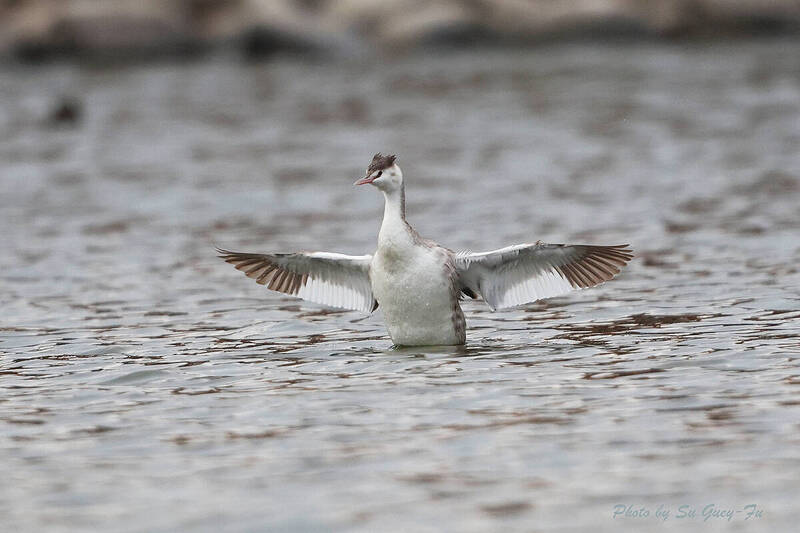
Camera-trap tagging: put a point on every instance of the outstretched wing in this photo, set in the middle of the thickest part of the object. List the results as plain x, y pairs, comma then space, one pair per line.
528, 272
336, 280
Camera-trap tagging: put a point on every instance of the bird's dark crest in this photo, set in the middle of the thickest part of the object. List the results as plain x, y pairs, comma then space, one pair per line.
381, 162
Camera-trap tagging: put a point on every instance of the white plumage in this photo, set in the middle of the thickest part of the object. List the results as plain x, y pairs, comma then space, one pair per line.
418, 283
336, 280
523, 273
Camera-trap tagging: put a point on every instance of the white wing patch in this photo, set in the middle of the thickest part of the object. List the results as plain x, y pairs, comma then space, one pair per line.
336, 280
524, 273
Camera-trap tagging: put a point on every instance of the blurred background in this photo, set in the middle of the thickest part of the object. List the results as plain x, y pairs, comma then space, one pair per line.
35, 29
147, 386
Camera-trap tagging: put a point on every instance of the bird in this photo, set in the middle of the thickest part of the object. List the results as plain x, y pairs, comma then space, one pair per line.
418, 284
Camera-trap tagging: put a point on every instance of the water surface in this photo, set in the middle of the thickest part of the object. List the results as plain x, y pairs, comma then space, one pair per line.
147, 386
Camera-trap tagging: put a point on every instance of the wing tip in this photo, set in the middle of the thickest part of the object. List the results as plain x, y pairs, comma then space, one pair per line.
232, 257
622, 248
599, 265
222, 253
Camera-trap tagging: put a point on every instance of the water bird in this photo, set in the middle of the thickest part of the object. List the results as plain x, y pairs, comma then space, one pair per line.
417, 283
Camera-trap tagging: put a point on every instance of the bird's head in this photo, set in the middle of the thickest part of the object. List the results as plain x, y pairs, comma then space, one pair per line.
383, 173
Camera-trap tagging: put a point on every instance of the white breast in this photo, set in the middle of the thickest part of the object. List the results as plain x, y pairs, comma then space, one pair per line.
413, 284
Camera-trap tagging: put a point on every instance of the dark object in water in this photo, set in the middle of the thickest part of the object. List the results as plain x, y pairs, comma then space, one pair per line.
67, 111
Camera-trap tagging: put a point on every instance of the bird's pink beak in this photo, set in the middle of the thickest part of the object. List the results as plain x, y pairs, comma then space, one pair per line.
365, 180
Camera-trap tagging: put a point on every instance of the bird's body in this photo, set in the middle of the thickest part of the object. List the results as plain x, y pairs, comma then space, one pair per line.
414, 283
417, 283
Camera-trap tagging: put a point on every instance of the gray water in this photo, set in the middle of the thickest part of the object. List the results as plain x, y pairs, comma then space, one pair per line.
148, 386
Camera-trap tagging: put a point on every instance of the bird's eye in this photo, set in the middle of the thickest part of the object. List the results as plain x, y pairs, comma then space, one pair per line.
380, 172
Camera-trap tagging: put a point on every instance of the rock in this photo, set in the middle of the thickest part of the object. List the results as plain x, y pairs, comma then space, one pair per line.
430, 22
214, 19
25, 27
118, 26
34, 28
404, 23
263, 27
39, 28
270, 26
530, 19
745, 16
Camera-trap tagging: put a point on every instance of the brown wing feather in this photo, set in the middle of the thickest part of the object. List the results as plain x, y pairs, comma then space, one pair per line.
527, 272
595, 264
291, 273
265, 272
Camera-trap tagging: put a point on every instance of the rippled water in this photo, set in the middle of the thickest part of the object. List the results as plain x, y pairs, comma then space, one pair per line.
147, 386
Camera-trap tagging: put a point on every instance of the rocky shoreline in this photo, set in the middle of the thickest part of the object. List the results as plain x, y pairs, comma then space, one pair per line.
37, 29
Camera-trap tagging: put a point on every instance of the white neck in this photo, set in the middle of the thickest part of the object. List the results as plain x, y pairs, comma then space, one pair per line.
395, 204
394, 215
